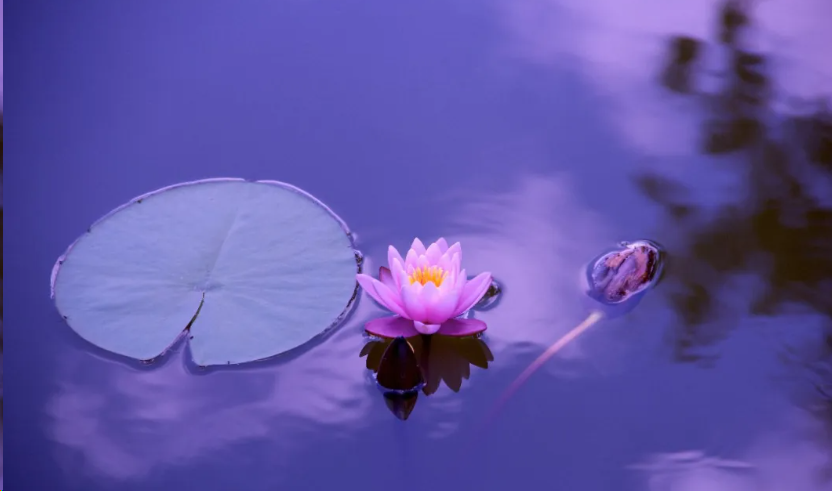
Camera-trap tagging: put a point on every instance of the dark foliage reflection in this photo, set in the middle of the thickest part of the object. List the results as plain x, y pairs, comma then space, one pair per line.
404, 368
780, 232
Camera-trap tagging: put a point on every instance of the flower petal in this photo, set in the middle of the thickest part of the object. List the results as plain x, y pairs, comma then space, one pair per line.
411, 261
386, 277
399, 275
393, 254
462, 327
426, 328
442, 244
461, 279
418, 247
379, 292
366, 282
434, 254
390, 299
391, 327
455, 249
412, 302
472, 292
439, 304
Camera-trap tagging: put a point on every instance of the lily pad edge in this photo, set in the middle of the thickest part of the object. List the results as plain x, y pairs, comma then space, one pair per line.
338, 321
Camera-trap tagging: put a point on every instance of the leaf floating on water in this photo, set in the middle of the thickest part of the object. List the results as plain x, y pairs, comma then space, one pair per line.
258, 268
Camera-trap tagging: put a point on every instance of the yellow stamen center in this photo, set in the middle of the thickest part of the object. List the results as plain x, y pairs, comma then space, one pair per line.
426, 274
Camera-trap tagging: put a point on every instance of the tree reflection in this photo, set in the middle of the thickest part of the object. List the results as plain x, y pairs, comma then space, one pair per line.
437, 358
781, 230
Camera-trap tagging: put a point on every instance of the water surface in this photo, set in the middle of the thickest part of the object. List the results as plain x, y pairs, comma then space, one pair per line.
538, 134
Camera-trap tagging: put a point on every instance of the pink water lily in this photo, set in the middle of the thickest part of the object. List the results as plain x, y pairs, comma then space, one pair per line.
427, 291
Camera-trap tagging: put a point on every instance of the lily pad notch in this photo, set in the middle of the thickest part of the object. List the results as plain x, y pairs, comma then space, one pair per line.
251, 269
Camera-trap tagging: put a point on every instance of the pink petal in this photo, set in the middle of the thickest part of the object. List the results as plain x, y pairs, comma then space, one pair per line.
461, 279
392, 255
442, 244
366, 282
412, 302
399, 276
426, 328
439, 304
473, 291
391, 327
379, 292
411, 260
445, 263
417, 247
462, 327
434, 254
386, 277
455, 249
390, 299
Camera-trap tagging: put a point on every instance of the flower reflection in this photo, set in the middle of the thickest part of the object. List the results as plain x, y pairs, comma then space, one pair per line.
435, 358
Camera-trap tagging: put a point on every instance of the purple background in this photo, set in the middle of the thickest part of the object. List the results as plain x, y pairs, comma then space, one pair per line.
519, 129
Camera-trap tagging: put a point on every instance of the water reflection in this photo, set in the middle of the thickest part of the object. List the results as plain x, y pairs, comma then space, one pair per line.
436, 359
400, 378
774, 239
780, 231
535, 238
126, 422
774, 462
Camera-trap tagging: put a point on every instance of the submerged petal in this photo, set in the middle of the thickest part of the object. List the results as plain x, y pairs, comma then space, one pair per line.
426, 328
473, 291
462, 327
391, 327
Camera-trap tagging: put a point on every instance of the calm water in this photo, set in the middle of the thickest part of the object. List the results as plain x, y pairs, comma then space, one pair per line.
538, 134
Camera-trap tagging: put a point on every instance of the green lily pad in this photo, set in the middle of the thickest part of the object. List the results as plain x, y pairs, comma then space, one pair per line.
252, 269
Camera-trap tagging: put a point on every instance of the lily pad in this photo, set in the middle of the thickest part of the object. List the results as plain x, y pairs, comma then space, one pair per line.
251, 269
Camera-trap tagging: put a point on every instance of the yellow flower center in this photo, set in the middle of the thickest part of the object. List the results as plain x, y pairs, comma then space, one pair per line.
427, 274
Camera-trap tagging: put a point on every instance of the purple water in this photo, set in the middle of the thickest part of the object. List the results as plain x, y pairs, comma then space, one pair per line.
538, 134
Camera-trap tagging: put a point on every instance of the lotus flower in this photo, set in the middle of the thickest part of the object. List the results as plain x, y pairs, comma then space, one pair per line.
427, 291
